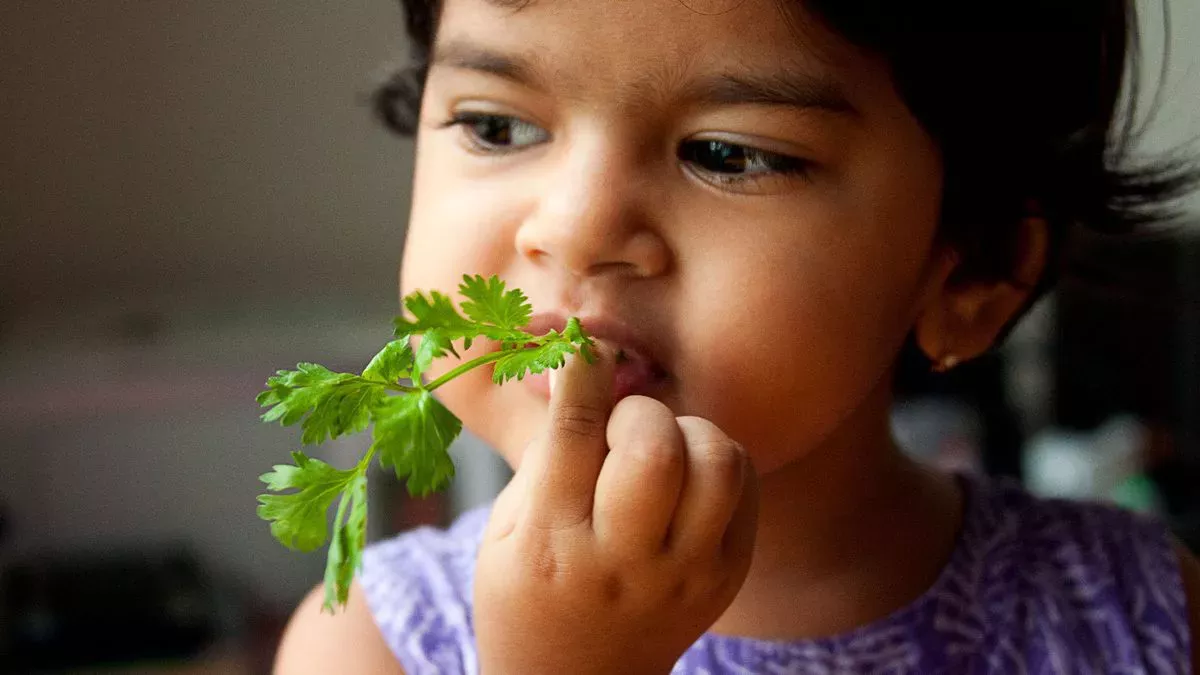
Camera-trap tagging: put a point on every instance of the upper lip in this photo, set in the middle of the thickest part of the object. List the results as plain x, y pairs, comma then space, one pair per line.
602, 327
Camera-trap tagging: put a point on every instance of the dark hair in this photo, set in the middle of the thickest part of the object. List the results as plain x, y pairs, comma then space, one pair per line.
1022, 97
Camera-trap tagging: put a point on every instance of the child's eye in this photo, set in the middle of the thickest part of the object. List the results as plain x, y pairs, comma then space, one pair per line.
728, 163
497, 134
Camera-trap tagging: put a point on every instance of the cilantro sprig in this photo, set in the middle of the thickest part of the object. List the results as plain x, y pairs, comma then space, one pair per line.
411, 430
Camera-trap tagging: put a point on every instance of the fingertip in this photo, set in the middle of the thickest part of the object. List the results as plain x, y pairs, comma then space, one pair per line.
606, 347
601, 351
580, 374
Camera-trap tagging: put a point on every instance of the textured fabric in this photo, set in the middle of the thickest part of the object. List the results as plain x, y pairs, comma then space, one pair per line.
1033, 586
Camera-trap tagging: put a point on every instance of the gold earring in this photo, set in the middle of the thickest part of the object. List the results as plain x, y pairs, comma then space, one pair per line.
947, 363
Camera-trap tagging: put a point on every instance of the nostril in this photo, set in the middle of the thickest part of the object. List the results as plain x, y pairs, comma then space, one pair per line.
617, 267
588, 251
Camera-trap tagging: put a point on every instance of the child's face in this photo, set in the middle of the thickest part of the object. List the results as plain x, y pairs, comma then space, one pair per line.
774, 274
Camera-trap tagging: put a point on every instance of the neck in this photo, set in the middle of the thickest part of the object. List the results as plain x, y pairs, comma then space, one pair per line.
846, 535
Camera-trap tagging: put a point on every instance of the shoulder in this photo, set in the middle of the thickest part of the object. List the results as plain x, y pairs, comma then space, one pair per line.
409, 610
316, 643
1092, 576
1095, 551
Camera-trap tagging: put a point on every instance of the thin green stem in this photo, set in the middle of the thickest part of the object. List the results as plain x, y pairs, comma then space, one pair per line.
391, 386
365, 462
474, 363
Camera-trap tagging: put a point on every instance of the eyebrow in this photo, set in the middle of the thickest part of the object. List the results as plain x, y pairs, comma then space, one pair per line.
522, 70
788, 89
793, 90
515, 5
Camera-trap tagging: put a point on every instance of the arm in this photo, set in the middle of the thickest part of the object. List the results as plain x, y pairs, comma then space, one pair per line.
1190, 568
317, 644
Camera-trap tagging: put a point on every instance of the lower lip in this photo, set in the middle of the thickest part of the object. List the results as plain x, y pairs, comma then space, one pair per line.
628, 380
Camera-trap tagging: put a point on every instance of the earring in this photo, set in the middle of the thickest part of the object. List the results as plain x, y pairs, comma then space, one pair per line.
947, 363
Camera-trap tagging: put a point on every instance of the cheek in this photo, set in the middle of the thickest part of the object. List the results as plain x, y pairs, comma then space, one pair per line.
458, 226
796, 336
437, 249
504, 417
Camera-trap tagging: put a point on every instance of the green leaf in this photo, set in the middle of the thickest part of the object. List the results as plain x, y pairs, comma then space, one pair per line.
492, 312
435, 343
574, 332
292, 393
349, 540
327, 404
490, 304
342, 409
412, 435
522, 362
549, 353
412, 431
434, 310
298, 519
392, 362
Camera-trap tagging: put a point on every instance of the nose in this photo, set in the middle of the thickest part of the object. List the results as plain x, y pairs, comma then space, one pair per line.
591, 217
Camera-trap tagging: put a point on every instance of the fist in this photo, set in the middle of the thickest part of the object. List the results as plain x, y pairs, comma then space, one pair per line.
625, 533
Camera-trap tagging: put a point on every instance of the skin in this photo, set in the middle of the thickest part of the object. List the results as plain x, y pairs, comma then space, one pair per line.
782, 442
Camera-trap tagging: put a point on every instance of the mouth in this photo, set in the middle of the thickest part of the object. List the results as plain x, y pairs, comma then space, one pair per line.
639, 367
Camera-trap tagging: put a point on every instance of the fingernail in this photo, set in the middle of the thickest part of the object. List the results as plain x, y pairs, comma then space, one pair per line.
553, 380
606, 349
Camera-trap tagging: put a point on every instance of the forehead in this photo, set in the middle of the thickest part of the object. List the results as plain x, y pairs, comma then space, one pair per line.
637, 49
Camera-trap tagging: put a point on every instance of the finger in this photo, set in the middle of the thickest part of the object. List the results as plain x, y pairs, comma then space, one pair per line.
738, 542
713, 490
567, 457
641, 478
506, 509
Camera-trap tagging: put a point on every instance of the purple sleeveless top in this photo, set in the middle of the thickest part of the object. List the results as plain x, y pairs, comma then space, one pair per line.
1032, 586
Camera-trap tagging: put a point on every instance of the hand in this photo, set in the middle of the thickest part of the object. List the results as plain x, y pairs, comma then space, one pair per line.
620, 539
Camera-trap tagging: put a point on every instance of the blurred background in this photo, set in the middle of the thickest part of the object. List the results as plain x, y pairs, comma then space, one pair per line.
195, 194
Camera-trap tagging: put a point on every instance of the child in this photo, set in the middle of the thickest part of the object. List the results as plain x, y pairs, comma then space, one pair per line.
755, 205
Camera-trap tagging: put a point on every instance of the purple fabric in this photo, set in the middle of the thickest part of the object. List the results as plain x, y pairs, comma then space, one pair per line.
1033, 586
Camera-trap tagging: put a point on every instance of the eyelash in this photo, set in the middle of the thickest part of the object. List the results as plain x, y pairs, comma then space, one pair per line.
777, 165
467, 119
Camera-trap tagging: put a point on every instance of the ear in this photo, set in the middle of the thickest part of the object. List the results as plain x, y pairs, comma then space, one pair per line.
960, 319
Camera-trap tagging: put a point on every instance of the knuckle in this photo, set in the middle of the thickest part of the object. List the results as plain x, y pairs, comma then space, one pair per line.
567, 519
723, 459
639, 405
692, 420
680, 589
654, 456
545, 567
634, 413
581, 420
544, 563
612, 588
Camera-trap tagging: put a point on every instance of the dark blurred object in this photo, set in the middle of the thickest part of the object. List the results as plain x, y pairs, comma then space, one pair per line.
1128, 342
66, 612
406, 512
